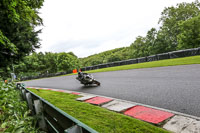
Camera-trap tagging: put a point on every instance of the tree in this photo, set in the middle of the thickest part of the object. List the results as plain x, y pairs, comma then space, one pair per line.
7, 50
138, 48
51, 60
170, 19
114, 57
150, 42
66, 62
189, 37
18, 38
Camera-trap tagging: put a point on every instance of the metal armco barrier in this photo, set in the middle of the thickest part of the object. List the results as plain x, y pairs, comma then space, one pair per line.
152, 58
52, 119
163, 56
143, 59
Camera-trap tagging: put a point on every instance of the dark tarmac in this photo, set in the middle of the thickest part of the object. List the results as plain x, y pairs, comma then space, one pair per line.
175, 88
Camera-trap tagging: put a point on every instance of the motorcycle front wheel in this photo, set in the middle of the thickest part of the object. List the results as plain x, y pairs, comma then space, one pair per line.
97, 83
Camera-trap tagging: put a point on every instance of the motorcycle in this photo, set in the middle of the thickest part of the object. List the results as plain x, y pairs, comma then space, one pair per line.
87, 79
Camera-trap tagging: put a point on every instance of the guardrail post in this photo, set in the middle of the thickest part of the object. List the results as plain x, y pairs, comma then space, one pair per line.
39, 112
30, 102
23, 93
74, 129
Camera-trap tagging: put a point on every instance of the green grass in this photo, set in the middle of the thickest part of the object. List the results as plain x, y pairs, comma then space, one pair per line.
100, 119
160, 63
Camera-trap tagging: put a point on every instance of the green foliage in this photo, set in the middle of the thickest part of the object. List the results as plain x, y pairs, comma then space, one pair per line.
139, 48
14, 114
42, 63
6, 45
67, 61
7, 49
18, 18
170, 19
189, 36
105, 57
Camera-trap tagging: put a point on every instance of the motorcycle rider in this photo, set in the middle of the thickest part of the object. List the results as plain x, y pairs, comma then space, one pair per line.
82, 75
86, 79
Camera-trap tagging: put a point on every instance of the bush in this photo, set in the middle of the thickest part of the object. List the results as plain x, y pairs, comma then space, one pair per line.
14, 114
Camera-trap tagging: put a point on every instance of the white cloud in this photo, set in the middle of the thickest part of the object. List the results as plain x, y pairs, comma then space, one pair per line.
86, 27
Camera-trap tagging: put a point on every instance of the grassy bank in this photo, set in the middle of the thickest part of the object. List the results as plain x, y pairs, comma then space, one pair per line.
100, 119
160, 63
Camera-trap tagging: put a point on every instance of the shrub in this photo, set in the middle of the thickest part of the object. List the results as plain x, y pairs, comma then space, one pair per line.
14, 113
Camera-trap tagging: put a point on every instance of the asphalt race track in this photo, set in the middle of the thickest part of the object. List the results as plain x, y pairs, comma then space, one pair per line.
175, 88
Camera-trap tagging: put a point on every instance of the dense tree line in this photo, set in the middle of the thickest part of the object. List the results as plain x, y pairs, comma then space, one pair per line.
104, 57
18, 37
43, 63
179, 29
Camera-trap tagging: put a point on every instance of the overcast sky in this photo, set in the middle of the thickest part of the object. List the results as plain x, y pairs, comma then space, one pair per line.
87, 27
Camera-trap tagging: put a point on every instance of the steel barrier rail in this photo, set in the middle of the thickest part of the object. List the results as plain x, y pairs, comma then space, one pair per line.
52, 119
162, 56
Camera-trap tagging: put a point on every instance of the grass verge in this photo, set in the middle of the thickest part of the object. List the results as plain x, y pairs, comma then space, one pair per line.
100, 119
